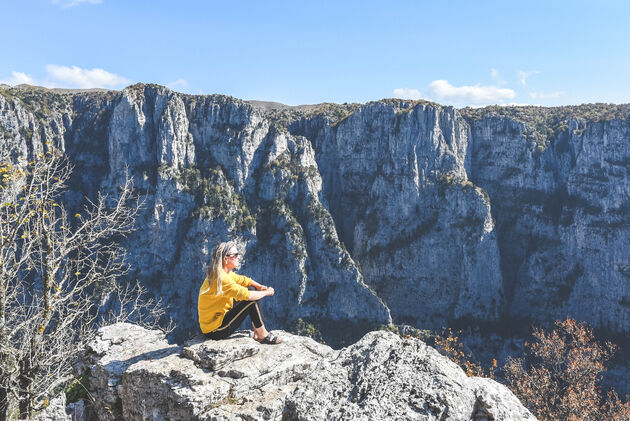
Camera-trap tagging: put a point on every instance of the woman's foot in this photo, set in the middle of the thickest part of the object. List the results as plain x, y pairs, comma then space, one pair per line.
260, 333
264, 337
271, 340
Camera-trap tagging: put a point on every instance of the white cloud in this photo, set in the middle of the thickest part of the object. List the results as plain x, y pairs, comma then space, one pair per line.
71, 3
542, 95
443, 91
75, 77
497, 77
523, 76
178, 84
17, 78
405, 93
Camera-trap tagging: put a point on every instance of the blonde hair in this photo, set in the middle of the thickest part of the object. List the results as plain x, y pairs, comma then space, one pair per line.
215, 271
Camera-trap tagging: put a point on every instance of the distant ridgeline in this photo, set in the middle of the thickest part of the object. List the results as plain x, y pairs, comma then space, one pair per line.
358, 215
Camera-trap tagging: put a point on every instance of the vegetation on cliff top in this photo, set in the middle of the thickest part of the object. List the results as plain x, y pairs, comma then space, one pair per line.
285, 114
39, 101
544, 124
43, 101
335, 113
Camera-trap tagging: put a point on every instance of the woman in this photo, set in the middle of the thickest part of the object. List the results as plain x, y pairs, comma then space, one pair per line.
225, 301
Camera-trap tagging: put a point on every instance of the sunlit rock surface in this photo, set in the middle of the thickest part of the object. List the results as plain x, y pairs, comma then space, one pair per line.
135, 375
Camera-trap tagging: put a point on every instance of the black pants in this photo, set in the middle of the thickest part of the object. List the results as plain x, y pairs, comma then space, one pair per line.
235, 316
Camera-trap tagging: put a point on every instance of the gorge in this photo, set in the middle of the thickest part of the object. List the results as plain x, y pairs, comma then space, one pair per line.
359, 215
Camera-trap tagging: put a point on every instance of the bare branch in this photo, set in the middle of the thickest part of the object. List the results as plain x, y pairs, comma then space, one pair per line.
50, 264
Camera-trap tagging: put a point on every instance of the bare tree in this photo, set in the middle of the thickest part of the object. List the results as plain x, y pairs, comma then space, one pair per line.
133, 302
52, 267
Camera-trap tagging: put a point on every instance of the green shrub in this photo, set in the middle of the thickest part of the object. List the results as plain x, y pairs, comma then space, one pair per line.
77, 390
305, 328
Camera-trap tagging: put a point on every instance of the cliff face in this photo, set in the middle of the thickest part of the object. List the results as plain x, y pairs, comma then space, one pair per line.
396, 181
354, 212
562, 212
208, 169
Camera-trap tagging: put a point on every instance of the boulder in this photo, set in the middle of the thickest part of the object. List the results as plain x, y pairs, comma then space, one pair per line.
136, 375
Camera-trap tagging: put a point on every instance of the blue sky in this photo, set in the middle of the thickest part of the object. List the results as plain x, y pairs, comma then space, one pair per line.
297, 52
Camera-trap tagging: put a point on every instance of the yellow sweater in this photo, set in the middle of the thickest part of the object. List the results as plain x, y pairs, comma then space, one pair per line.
212, 307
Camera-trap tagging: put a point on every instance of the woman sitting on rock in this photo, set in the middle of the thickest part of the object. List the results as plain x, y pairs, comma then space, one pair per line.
224, 299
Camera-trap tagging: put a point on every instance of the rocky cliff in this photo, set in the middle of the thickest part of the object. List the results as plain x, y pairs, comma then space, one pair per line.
561, 197
134, 374
358, 215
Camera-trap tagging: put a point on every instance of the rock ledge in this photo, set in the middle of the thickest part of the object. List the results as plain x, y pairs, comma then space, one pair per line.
136, 375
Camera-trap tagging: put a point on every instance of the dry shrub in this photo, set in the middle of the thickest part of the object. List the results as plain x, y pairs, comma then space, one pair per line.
560, 377
449, 345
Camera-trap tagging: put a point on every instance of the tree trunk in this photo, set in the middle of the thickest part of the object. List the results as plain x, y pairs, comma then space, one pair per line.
4, 403
24, 382
4, 365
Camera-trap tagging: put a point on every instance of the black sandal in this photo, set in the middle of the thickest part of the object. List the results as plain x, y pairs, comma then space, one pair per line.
270, 340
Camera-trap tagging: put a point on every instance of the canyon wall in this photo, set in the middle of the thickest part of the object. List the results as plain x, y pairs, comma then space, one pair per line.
358, 215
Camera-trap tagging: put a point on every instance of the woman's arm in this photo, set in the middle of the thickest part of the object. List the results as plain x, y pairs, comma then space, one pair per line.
258, 286
257, 295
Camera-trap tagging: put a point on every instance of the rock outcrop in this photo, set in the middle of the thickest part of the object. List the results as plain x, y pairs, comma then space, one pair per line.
134, 374
357, 215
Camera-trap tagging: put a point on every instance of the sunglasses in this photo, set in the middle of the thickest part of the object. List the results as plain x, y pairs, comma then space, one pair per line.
234, 255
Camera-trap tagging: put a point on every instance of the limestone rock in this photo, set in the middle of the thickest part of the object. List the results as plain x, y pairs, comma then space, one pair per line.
58, 410
386, 377
395, 176
55, 411
111, 354
141, 377
561, 206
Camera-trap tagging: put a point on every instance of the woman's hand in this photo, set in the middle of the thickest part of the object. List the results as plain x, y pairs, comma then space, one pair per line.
257, 295
258, 286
